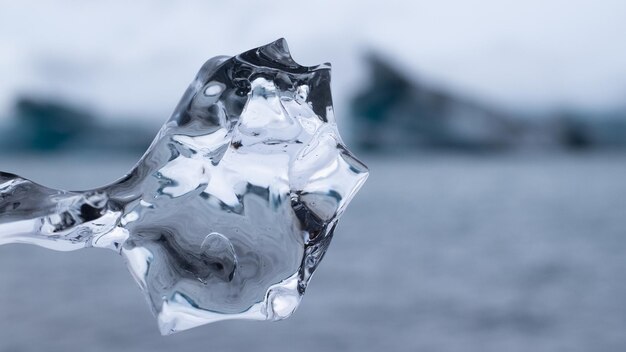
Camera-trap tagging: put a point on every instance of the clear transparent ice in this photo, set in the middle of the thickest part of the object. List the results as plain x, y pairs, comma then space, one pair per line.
231, 209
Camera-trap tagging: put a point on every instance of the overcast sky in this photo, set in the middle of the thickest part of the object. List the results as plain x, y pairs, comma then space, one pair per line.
137, 57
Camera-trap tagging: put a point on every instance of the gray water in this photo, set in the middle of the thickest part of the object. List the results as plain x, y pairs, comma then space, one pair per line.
436, 253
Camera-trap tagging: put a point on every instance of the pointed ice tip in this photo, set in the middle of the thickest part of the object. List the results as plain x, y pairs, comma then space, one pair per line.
278, 52
281, 43
276, 55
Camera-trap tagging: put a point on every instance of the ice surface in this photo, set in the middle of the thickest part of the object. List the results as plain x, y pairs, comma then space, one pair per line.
231, 209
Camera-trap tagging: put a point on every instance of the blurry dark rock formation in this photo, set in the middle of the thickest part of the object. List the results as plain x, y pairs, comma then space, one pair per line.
579, 130
47, 125
394, 111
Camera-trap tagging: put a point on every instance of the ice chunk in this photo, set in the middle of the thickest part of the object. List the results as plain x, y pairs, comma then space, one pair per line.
232, 207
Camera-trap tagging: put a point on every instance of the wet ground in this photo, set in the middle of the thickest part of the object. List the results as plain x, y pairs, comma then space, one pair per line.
437, 253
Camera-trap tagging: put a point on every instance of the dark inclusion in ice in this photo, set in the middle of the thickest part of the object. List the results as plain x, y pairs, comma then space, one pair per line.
232, 207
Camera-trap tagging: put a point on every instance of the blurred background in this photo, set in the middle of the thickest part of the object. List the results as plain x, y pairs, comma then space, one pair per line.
494, 218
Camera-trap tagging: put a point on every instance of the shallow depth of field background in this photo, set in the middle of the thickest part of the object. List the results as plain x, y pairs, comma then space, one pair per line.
494, 218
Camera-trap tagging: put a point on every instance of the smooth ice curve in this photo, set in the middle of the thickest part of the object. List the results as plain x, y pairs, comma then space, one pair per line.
231, 209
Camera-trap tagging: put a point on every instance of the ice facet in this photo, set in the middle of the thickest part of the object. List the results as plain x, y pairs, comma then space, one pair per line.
232, 207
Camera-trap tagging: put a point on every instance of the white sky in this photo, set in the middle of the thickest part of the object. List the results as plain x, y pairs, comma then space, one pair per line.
137, 57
